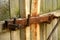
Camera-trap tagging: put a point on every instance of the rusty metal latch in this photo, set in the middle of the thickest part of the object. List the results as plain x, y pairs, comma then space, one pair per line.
23, 22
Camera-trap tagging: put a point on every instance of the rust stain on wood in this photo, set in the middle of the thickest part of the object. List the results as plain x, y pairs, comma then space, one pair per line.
34, 13
34, 8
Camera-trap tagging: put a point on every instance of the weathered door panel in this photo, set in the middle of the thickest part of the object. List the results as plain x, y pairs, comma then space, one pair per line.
48, 5
14, 12
44, 6
59, 32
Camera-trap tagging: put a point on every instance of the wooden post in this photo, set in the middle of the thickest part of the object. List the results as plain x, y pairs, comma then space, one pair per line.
35, 28
27, 3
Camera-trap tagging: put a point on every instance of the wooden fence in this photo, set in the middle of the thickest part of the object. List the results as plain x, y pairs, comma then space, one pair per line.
34, 31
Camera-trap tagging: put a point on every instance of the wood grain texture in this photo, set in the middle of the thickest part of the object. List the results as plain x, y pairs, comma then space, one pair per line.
4, 35
51, 26
27, 3
23, 15
14, 8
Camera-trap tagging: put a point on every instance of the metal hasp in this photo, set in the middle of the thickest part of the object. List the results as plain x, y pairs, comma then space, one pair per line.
23, 22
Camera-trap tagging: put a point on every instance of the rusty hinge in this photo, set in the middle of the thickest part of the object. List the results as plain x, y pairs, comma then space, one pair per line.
23, 22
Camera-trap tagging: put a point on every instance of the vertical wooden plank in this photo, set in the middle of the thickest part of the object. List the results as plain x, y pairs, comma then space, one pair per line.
38, 26
15, 35
23, 15
27, 3
49, 5
59, 32
4, 35
14, 10
45, 31
4, 14
34, 12
54, 4
41, 7
44, 5
58, 1
22, 8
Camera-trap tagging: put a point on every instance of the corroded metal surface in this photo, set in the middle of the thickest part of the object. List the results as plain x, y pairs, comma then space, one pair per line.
37, 19
32, 20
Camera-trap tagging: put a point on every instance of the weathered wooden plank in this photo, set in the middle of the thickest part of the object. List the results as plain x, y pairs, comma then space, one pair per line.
34, 27
59, 32
23, 15
41, 7
14, 8
58, 1
14, 11
38, 26
48, 5
43, 30
22, 8
44, 5
27, 2
54, 4
4, 35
